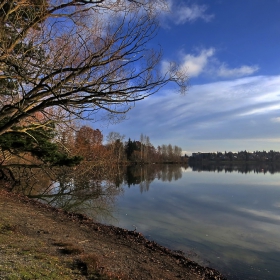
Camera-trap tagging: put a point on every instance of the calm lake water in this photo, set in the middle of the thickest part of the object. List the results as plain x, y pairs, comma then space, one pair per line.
226, 220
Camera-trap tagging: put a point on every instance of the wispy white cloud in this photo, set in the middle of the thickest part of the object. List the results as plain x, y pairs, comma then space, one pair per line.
277, 119
264, 109
244, 70
194, 65
183, 14
180, 13
206, 62
230, 115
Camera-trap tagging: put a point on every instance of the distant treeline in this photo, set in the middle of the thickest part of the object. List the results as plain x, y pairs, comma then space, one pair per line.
88, 143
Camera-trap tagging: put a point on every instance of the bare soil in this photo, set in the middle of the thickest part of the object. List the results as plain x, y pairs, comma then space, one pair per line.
41, 242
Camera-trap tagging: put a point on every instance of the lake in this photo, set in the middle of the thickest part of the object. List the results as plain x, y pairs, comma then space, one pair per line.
226, 220
225, 217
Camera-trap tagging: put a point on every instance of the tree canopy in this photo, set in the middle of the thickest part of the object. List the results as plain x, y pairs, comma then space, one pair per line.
75, 57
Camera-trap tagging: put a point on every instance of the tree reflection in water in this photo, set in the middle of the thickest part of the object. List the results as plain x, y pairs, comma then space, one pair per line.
241, 167
143, 175
90, 188
94, 187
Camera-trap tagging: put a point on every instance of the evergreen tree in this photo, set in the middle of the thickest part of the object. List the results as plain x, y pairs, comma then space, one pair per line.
130, 147
38, 143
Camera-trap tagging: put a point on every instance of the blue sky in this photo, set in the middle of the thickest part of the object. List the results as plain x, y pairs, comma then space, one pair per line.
230, 50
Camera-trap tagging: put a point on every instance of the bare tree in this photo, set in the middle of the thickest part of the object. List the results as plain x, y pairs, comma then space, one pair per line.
79, 56
115, 145
142, 141
112, 137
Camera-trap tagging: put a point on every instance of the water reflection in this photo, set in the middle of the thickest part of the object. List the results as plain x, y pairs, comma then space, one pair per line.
242, 167
90, 188
228, 217
88, 184
143, 175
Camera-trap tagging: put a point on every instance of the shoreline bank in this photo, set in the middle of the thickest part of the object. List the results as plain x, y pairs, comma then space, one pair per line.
118, 252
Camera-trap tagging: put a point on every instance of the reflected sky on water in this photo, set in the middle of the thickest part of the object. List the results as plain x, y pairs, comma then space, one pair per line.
229, 221
225, 217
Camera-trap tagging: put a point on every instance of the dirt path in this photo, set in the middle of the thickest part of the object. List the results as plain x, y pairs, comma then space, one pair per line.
40, 242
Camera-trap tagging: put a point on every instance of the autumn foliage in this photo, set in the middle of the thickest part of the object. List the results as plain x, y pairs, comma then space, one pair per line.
63, 60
